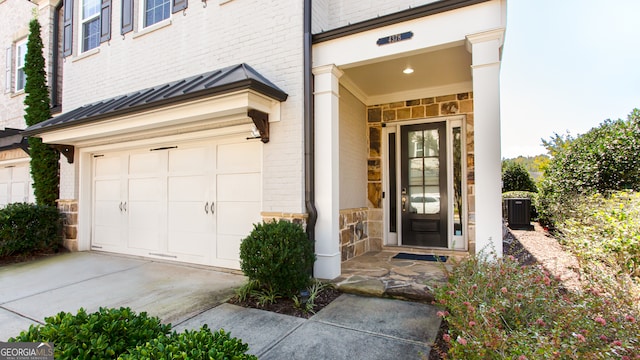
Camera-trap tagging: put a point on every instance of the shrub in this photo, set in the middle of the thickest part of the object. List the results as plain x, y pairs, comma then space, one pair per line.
606, 230
502, 310
26, 228
279, 256
516, 178
200, 344
599, 161
104, 334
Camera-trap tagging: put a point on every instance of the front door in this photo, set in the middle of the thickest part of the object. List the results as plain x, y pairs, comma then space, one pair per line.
423, 187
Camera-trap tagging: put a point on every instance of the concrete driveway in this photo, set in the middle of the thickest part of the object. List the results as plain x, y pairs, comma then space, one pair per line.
351, 327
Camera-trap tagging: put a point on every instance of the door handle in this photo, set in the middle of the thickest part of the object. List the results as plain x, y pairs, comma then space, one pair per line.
124, 206
206, 208
120, 206
404, 199
212, 208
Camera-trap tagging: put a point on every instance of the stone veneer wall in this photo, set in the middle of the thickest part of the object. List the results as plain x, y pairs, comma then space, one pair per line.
355, 237
69, 211
454, 104
291, 217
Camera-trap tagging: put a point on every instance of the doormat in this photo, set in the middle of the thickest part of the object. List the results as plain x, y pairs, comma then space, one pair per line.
407, 256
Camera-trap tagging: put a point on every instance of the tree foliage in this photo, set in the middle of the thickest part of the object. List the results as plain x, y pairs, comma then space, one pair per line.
602, 160
516, 178
44, 160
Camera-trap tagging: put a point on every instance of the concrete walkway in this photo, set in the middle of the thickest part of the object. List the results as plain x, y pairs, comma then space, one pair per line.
189, 297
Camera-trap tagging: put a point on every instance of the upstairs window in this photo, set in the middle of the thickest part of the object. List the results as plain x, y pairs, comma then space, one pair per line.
156, 11
21, 52
90, 24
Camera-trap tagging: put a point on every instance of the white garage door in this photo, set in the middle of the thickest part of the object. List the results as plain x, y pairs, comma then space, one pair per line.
15, 184
190, 202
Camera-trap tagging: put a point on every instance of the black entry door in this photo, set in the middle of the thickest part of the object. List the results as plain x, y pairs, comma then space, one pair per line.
424, 185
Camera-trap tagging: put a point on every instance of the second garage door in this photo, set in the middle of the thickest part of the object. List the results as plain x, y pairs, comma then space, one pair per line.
189, 202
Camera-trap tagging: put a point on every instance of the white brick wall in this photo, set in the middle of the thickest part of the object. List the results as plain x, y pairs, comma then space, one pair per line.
267, 35
14, 26
345, 12
353, 151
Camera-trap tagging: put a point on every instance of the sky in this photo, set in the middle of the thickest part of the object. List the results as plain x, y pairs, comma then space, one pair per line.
567, 65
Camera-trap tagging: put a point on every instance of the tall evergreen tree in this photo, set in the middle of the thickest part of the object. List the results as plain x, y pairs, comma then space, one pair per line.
44, 160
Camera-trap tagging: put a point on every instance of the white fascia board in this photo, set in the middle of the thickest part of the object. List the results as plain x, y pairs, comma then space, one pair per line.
211, 112
433, 31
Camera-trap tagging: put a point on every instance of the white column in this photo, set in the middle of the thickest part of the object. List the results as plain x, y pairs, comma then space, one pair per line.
485, 69
327, 174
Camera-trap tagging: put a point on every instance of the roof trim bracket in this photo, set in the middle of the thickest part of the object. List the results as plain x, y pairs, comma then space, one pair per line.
261, 121
67, 150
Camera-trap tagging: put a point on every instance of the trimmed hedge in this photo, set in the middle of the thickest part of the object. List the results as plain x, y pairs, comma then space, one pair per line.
104, 334
123, 334
195, 344
26, 228
279, 256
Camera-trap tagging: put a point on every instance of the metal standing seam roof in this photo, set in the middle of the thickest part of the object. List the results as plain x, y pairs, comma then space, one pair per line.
229, 79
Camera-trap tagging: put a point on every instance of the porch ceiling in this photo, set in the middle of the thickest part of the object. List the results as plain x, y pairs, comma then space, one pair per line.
433, 70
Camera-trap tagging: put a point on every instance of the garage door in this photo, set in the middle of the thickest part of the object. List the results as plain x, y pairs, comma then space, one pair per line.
190, 202
15, 184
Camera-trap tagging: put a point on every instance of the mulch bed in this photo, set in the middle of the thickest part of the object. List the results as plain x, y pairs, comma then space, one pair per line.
286, 306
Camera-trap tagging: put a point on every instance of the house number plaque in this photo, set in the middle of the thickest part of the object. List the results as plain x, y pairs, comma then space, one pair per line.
395, 38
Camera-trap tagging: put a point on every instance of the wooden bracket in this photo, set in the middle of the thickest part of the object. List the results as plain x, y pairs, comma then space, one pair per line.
261, 121
66, 150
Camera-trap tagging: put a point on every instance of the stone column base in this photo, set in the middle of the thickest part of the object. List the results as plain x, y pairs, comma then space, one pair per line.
69, 210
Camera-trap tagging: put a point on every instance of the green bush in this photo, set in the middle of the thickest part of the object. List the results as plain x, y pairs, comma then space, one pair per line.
26, 228
599, 161
499, 309
516, 178
104, 334
201, 344
606, 230
279, 256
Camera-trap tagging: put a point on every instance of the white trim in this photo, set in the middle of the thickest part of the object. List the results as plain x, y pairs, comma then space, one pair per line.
8, 70
87, 20
194, 116
149, 29
155, 26
20, 43
86, 54
394, 127
421, 93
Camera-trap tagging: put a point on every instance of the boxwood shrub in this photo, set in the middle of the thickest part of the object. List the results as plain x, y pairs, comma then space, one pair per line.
195, 344
279, 256
26, 228
104, 334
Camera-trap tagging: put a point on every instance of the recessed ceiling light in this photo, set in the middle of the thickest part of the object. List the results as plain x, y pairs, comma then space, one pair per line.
408, 70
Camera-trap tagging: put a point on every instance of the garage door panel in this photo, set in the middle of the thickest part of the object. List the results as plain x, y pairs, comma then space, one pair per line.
188, 160
189, 216
107, 190
145, 222
236, 218
188, 188
149, 189
228, 247
107, 235
244, 156
4, 194
108, 166
146, 163
239, 187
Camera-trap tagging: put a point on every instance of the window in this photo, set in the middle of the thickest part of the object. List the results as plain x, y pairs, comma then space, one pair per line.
90, 24
21, 52
156, 11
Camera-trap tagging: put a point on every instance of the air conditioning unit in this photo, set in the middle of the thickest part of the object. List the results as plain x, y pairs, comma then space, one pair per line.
518, 213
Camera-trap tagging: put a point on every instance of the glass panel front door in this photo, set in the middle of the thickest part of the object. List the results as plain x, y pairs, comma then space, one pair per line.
424, 185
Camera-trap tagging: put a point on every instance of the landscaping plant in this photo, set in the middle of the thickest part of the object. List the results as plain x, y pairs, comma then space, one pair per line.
501, 310
29, 228
279, 256
44, 160
516, 178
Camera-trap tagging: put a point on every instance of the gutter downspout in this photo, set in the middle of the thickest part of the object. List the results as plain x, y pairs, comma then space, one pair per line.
309, 132
54, 47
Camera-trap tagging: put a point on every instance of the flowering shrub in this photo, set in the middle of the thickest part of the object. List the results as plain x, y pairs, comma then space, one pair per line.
502, 310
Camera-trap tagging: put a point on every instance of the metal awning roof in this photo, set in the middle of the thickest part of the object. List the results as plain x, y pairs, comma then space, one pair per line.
226, 80
12, 139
